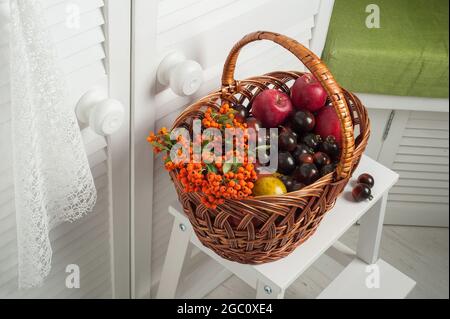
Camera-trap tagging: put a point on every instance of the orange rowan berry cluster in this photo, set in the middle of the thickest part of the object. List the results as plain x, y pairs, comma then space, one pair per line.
162, 142
192, 177
220, 180
159, 140
222, 119
234, 184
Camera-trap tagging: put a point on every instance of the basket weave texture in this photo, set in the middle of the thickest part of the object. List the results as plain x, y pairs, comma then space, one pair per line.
271, 227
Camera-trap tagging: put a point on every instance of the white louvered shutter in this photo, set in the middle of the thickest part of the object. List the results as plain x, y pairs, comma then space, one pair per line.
417, 148
204, 31
89, 243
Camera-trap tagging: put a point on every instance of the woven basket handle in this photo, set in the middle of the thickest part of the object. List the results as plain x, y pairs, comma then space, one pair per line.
320, 71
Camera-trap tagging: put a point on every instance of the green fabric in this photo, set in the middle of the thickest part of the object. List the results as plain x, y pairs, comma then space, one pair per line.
406, 56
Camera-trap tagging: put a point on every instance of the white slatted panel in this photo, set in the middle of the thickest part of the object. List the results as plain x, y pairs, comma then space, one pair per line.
209, 38
82, 243
85, 242
422, 160
205, 31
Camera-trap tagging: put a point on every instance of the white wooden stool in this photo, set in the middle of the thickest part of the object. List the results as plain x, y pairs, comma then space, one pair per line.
364, 275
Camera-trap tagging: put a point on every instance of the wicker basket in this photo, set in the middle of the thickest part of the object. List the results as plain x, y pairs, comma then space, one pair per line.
286, 221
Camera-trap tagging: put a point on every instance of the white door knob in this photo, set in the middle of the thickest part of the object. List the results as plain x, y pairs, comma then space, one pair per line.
183, 76
105, 116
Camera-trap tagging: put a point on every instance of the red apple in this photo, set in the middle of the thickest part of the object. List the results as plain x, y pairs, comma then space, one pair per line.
327, 123
272, 108
307, 93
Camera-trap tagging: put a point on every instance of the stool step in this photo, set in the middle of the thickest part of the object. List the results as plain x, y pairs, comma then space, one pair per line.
346, 213
362, 281
279, 275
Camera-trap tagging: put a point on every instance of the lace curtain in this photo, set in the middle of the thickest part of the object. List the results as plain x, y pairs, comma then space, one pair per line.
53, 181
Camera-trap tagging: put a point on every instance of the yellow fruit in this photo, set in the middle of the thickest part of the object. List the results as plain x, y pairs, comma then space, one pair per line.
269, 185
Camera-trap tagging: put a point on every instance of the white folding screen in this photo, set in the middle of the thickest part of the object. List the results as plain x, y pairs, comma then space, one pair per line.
80, 30
205, 31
